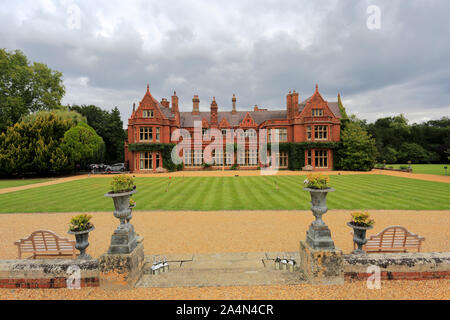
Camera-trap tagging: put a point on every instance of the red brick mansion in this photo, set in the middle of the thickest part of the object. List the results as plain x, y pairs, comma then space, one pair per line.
312, 120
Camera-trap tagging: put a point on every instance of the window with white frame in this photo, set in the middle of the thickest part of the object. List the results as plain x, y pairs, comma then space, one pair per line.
187, 157
158, 160
317, 112
253, 157
146, 159
146, 134
158, 135
308, 133
251, 133
198, 158
283, 159
309, 158
218, 157
283, 134
321, 132
321, 158
148, 113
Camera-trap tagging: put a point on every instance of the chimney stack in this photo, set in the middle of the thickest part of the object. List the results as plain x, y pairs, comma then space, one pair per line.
165, 103
295, 98
234, 104
289, 104
175, 102
214, 112
196, 105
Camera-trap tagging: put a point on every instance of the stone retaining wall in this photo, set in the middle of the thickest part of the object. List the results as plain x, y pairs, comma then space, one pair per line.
399, 266
52, 273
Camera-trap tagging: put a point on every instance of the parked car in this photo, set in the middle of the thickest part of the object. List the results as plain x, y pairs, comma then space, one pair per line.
118, 167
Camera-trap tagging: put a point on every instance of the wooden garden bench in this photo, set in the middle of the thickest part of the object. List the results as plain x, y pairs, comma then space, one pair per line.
44, 243
393, 239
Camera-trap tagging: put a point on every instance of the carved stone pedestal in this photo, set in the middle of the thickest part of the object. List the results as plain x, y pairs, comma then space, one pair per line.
122, 270
321, 267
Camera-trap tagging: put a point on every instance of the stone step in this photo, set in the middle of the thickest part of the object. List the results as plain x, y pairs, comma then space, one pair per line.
219, 278
220, 269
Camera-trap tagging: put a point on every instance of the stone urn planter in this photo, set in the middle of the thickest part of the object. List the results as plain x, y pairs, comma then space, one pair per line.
319, 236
82, 242
124, 239
359, 237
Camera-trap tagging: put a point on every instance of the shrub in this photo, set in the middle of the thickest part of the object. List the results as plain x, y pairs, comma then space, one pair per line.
317, 181
358, 151
80, 223
404, 167
234, 167
122, 183
362, 219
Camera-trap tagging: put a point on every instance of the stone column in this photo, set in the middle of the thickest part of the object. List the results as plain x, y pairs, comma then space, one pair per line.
320, 261
121, 267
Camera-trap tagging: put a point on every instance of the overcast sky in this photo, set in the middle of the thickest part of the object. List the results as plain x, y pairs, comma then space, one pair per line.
259, 50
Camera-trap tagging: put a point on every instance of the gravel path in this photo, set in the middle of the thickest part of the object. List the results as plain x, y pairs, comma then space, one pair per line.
225, 231
413, 290
239, 231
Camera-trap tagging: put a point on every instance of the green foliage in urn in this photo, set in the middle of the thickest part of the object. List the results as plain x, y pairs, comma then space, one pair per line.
80, 223
317, 181
362, 219
122, 183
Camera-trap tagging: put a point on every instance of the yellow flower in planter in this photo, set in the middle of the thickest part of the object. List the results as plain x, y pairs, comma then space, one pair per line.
317, 181
362, 219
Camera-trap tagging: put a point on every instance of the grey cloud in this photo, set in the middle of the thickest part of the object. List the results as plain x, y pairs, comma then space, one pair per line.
257, 49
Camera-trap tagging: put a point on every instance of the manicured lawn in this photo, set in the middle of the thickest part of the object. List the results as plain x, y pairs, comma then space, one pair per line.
19, 182
437, 169
234, 193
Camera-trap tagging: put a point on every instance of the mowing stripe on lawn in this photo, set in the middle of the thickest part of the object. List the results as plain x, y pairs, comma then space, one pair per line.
234, 193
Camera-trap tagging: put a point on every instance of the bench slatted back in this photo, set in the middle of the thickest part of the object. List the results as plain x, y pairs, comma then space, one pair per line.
394, 238
46, 243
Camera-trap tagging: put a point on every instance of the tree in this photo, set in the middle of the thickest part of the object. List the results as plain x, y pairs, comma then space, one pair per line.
389, 154
82, 145
109, 126
358, 151
415, 153
26, 88
34, 146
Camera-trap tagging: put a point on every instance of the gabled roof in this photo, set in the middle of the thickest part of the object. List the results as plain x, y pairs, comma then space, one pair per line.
334, 107
187, 118
148, 101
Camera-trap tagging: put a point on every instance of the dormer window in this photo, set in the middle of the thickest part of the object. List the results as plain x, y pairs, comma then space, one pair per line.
148, 114
317, 112
224, 132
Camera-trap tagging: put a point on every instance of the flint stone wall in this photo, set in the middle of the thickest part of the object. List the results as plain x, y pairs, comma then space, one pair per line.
48, 273
399, 266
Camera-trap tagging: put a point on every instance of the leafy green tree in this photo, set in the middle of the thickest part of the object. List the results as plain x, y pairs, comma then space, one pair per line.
82, 145
414, 153
109, 126
26, 87
389, 154
358, 151
34, 146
